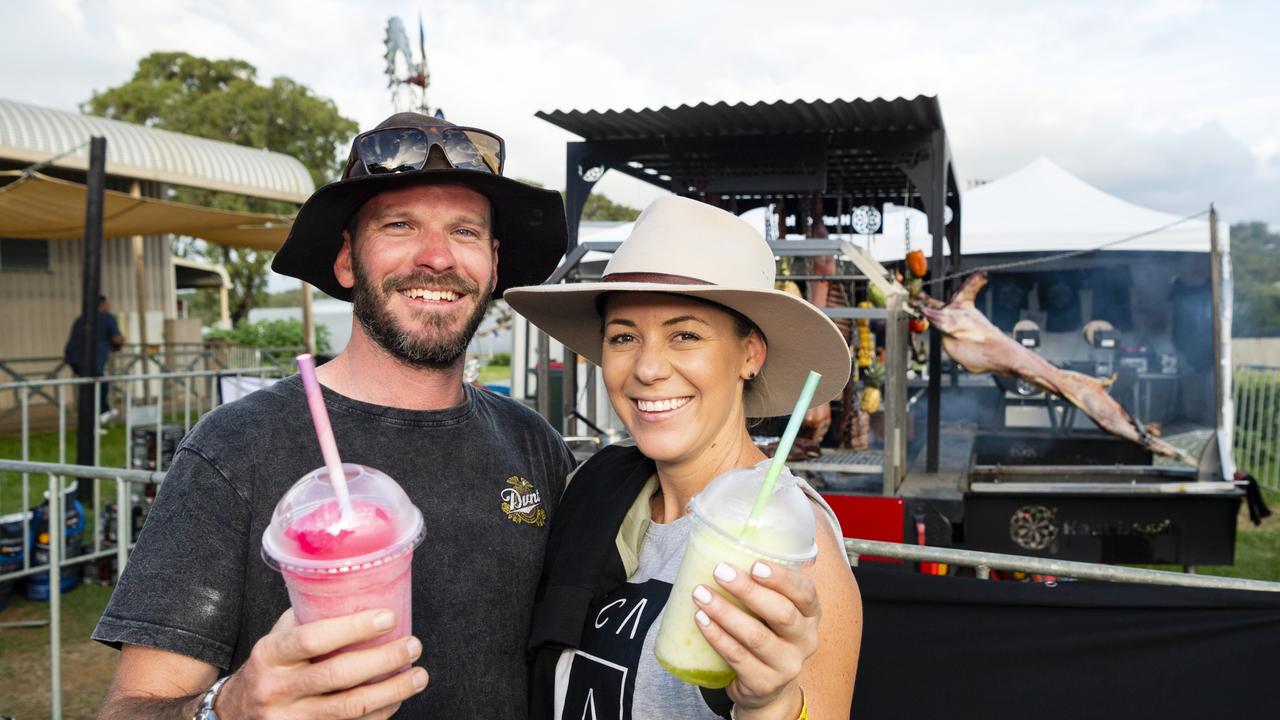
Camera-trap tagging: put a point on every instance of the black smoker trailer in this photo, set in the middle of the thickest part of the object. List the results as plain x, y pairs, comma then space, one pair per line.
1096, 498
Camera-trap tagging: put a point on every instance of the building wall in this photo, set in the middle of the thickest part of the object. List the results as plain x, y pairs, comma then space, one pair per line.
38, 307
1256, 351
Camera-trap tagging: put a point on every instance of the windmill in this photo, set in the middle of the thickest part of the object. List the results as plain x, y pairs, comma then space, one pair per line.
404, 74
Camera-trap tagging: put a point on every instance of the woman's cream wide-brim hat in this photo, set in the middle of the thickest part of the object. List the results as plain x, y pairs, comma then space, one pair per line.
684, 247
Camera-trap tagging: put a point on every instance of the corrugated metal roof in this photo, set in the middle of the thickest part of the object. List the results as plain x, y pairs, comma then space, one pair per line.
844, 148
922, 114
34, 134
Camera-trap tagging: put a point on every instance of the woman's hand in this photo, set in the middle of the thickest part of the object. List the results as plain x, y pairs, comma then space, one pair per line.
767, 654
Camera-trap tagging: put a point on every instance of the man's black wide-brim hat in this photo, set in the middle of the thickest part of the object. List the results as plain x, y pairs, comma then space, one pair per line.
529, 222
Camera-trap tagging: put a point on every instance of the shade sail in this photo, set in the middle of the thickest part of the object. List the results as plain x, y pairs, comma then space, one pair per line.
41, 207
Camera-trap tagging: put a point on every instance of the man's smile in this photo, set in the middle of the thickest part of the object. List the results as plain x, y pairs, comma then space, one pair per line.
426, 295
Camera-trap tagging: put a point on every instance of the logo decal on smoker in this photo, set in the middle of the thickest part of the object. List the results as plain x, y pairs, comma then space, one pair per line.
1033, 527
522, 503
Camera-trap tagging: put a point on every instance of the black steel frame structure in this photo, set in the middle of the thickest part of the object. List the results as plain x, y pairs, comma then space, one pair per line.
843, 153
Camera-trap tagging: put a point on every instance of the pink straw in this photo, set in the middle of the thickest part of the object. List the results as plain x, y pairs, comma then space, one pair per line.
324, 433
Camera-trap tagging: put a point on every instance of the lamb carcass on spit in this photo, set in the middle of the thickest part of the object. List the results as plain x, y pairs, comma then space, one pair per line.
980, 347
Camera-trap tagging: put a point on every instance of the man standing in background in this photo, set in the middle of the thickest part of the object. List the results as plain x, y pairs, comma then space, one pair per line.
108, 339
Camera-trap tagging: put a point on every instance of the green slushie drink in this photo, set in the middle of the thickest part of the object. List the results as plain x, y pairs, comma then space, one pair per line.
783, 533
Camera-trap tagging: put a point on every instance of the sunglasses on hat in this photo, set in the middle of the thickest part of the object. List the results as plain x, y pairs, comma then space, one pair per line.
406, 149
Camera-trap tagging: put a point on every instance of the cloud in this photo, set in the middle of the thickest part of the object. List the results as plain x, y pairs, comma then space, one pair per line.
1168, 103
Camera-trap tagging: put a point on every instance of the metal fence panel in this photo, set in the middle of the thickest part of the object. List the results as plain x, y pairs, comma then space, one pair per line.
1257, 431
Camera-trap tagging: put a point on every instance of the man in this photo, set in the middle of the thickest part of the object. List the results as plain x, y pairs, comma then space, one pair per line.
108, 339
411, 235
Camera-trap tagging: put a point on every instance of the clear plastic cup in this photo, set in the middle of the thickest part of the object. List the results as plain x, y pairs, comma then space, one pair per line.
332, 569
784, 534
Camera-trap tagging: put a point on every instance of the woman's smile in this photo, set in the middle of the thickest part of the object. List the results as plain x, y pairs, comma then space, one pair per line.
654, 410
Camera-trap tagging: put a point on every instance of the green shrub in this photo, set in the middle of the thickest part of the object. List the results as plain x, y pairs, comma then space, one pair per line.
271, 334
501, 358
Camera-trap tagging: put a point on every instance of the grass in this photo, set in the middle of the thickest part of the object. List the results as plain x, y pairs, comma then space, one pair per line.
490, 373
87, 666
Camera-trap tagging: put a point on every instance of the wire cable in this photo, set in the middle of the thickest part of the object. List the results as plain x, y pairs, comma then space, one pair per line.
1065, 255
31, 170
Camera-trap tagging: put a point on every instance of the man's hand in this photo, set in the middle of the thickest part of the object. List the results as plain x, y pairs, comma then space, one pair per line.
280, 680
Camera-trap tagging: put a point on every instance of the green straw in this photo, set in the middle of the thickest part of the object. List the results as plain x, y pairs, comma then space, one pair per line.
784, 448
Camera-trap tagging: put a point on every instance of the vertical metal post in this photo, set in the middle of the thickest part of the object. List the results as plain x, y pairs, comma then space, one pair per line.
128, 425
1237, 439
186, 403
1267, 428
1255, 384
544, 374
140, 276
590, 382
97, 513
895, 396
25, 401
308, 320
159, 425
124, 524
569, 392
95, 187
1274, 437
936, 207
1250, 385
1220, 354
62, 423
57, 533
97, 427
1246, 413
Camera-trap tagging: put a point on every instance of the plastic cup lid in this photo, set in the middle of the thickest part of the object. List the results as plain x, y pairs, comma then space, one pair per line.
304, 534
784, 531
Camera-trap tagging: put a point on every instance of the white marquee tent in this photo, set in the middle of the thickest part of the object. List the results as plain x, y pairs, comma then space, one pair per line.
1044, 208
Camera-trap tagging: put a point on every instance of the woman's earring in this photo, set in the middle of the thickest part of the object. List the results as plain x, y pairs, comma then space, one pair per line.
750, 376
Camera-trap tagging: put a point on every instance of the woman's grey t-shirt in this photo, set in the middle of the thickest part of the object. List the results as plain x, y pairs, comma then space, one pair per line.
614, 674
485, 474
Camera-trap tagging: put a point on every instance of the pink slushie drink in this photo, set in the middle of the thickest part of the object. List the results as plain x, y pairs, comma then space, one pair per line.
334, 566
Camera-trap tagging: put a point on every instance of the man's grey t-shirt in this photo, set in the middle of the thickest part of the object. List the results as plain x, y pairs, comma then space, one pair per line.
485, 475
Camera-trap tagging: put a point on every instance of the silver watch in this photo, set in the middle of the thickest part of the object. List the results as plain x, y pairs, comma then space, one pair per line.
205, 711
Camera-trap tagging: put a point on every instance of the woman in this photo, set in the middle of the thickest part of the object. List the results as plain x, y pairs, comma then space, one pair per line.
693, 340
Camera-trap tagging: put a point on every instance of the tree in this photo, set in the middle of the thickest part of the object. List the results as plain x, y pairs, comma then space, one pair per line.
222, 100
1256, 270
600, 207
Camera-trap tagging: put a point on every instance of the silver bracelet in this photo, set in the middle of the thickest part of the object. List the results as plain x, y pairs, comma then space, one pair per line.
205, 711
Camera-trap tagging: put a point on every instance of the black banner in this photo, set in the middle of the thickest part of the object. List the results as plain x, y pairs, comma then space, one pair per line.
950, 647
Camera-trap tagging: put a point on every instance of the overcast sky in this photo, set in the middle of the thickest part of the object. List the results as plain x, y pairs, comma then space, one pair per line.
1171, 104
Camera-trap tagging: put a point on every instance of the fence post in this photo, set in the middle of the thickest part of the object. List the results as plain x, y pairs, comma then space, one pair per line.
124, 524
57, 522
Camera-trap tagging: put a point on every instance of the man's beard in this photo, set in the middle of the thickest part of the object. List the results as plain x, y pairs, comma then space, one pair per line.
439, 347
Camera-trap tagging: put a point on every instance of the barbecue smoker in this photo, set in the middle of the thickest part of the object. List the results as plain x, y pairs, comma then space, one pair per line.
1094, 497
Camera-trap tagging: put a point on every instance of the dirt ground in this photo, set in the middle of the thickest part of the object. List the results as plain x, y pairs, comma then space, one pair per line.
87, 666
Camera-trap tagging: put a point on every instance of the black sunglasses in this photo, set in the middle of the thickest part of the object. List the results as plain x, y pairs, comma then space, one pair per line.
406, 149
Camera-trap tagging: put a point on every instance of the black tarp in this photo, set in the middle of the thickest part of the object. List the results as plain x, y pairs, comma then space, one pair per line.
953, 647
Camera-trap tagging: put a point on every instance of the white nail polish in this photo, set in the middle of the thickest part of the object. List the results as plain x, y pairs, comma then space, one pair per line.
761, 570
702, 618
702, 594
725, 573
